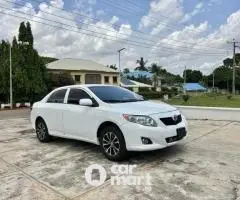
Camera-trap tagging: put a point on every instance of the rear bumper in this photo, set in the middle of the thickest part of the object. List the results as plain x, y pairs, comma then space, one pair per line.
134, 132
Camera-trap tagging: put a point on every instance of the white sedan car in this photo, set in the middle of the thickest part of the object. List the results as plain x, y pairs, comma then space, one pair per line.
110, 116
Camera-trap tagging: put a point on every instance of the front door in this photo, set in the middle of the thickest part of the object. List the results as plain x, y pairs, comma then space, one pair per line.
79, 120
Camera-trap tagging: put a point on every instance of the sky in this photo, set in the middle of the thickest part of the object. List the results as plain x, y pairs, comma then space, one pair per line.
172, 33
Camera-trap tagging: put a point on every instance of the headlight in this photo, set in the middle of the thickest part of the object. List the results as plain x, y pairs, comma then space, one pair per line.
140, 119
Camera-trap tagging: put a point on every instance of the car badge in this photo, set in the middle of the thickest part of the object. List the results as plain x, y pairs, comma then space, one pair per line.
175, 118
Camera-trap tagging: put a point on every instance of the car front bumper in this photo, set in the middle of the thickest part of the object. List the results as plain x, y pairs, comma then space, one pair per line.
134, 132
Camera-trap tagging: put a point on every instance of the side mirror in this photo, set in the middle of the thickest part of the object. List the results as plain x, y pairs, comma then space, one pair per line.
85, 102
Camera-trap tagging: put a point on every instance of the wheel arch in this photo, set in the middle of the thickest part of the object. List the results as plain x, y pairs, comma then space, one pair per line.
38, 118
105, 124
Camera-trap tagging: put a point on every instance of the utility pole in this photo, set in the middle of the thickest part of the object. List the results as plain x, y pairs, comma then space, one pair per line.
185, 79
234, 65
185, 74
119, 65
119, 62
213, 79
10, 66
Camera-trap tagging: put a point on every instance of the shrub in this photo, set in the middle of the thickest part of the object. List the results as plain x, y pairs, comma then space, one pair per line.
151, 95
185, 97
229, 96
142, 89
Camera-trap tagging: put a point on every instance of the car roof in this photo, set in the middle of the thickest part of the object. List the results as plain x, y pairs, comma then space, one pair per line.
86, 86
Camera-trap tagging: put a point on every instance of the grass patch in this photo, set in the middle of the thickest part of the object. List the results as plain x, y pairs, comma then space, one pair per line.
208, 100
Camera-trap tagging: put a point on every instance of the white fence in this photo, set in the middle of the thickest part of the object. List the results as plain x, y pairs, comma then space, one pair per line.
26, 104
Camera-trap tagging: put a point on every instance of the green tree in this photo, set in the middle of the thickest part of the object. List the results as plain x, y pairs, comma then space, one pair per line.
193, 76
22, 33
222, 78
29, 73
229, 61
112, 67
142, 65
29, 35
61, 79
14, 42
126, 70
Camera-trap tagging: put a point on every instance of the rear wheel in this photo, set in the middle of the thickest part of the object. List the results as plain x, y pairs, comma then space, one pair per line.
42, 131
112, 143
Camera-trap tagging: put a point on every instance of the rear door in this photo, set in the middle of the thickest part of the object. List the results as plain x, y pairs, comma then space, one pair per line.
79, 120
53, 114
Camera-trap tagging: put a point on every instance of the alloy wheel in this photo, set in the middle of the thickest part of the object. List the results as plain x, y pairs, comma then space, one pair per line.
41, 130
111, 144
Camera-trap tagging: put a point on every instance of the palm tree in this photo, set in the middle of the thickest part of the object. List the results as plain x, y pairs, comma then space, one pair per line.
142, 64
155, 69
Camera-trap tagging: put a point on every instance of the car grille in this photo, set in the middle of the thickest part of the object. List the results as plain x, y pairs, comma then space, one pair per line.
168, 121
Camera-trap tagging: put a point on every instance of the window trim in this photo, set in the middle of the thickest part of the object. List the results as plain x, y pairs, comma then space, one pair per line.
95, 102
76, 89
79, 78
66, 90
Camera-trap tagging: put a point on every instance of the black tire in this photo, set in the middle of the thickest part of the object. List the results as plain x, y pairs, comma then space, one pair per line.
118, 142
42, 131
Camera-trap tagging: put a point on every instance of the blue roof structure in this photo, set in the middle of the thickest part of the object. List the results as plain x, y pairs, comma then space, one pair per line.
126, 81
193, 87
138, 74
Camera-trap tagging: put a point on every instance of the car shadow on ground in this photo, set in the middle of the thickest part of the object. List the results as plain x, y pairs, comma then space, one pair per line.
134, 157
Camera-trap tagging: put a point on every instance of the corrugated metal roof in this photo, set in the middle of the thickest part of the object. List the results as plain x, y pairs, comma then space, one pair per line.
78, 64
137, 74
194, 87
126, 81
130, 83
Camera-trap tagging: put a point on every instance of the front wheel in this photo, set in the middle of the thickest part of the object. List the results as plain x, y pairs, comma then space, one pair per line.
113, 144
42, 131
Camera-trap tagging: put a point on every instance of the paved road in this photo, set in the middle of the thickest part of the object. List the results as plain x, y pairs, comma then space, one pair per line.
203, 166
11, 114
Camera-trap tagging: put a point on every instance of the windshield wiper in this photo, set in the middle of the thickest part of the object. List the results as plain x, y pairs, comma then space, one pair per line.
122, 101
113, 101
133, 100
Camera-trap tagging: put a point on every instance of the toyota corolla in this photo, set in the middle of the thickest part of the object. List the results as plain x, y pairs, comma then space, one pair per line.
110, 116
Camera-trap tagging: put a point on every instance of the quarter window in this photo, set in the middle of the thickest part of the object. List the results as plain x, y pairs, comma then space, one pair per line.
57, 97
75, 95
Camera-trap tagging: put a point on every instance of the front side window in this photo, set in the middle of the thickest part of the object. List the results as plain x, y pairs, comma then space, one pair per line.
113, 94
75, 95
57, 97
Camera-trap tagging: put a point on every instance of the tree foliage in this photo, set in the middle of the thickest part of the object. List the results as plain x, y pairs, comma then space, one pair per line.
126, 70
29, 73
142, 65
29, 36
193, 76
228, 62
60, 79
112, 67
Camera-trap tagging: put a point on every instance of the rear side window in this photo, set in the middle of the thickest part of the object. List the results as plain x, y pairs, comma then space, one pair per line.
57, 97
75, 95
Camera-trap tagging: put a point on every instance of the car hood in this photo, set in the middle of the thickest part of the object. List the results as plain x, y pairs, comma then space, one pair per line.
142, 108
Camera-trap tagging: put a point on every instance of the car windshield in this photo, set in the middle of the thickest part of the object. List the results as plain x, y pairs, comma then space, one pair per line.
113, 94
